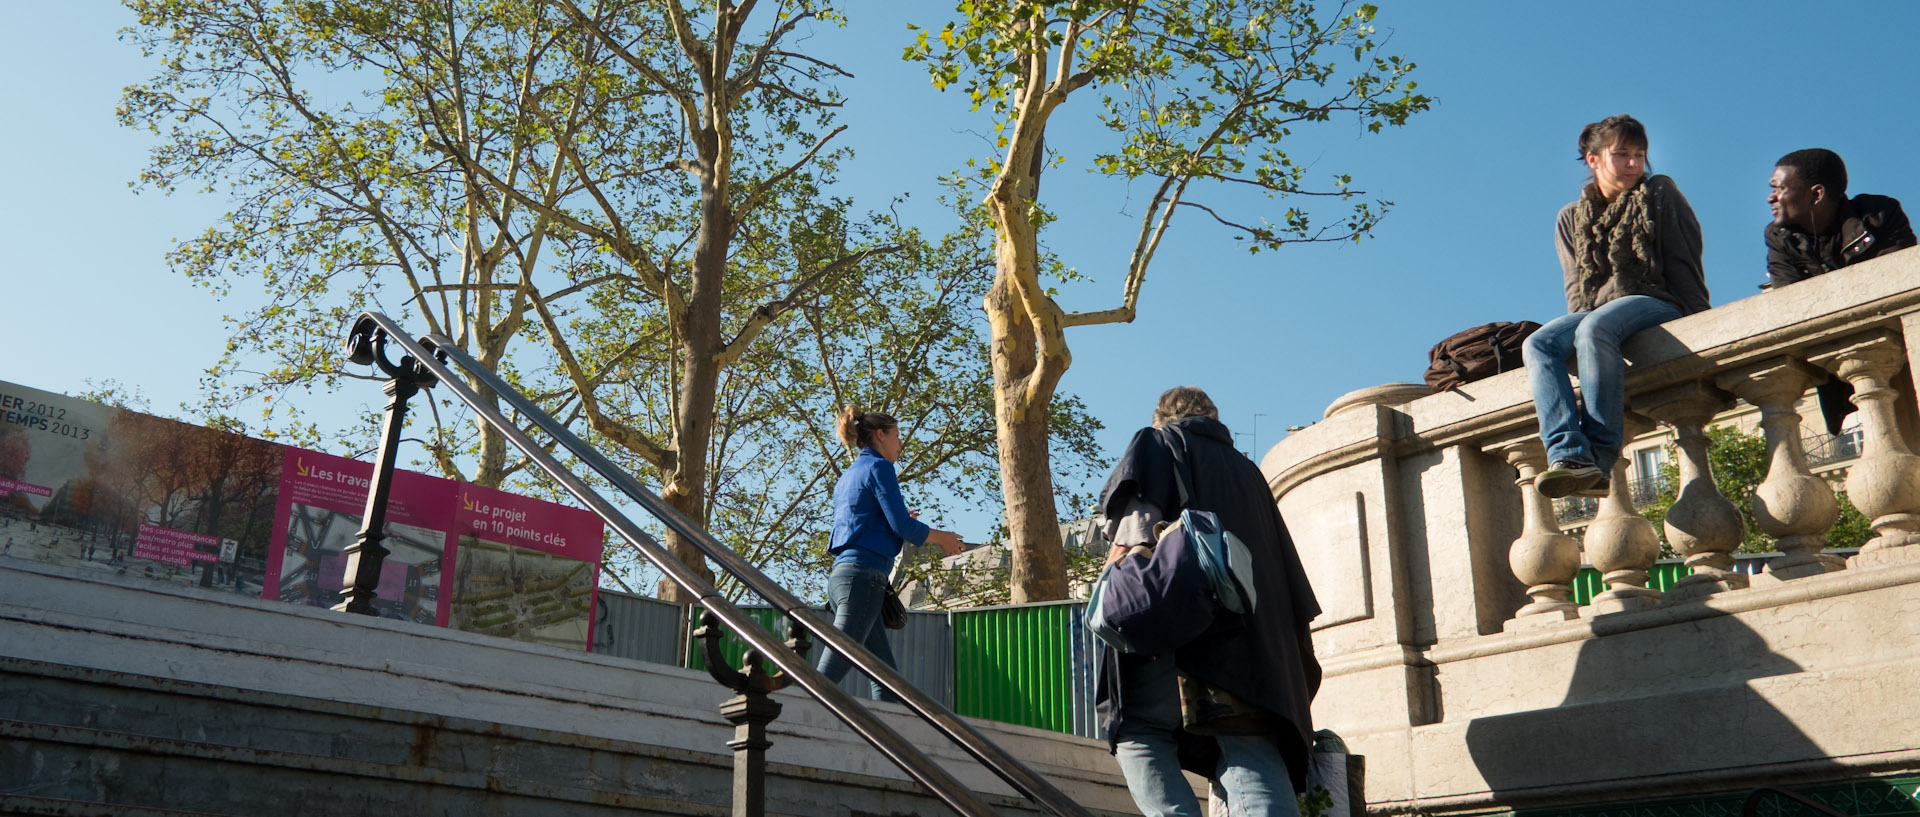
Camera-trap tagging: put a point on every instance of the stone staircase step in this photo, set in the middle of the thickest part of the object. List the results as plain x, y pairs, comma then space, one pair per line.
21, 805
126, 697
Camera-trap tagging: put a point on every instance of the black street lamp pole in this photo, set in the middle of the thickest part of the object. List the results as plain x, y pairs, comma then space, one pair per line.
367, 344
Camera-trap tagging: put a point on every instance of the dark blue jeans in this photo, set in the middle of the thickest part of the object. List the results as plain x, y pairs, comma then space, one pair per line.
854, 595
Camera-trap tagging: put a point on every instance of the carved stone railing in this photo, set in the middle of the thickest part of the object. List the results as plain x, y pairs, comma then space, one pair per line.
1447, 582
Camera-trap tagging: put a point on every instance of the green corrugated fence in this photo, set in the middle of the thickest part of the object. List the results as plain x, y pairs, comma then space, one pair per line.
730, 645
1660, 577
1016, 664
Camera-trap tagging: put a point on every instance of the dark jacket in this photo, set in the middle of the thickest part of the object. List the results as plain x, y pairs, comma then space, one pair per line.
1265, 659
1678, 277
1869, 226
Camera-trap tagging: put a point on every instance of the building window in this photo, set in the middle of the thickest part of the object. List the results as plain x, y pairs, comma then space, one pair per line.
1649, 475
1824, 450
1649, 462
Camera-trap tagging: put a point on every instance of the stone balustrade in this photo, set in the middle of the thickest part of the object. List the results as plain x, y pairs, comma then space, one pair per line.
1455, 655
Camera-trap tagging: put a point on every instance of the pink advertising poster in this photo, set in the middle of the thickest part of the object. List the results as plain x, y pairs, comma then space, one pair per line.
527, 568
322, 498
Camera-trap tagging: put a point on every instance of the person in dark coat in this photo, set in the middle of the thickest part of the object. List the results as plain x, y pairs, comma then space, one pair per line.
1816, 229
1257, 670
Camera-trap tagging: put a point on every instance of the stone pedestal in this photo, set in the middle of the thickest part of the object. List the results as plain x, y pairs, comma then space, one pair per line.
1543, 558
1702, 525
1791, 505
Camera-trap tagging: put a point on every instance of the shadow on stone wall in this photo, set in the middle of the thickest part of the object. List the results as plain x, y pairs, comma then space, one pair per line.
1654, 705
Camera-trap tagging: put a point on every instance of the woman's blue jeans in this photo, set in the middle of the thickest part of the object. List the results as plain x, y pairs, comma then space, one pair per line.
854, 596
1593, 429
1251, 771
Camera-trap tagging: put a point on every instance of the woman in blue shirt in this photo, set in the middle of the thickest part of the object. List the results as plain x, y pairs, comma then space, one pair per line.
870, 522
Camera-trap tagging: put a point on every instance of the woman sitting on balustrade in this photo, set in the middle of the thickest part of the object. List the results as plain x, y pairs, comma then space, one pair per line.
870, 522
1630, 259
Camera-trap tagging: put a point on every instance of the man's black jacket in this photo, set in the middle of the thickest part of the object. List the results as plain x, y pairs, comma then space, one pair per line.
1267, 659
1869, 226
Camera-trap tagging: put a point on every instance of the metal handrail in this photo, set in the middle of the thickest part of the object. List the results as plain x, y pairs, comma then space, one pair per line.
432, 354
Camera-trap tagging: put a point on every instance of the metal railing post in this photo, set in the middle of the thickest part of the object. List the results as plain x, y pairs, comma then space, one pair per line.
750, 710
367, 344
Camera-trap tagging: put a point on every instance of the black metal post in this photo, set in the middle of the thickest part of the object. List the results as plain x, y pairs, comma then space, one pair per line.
749, 711
367, 344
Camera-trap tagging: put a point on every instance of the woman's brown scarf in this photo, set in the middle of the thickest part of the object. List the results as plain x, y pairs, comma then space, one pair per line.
1614, 246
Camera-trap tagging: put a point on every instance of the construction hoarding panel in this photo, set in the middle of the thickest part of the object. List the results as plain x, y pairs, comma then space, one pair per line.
95, 487
527, 570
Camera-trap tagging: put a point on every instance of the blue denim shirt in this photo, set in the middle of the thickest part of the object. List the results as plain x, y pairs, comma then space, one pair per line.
870, 520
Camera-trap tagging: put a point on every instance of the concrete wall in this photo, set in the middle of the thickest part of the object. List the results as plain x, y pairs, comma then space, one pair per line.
1799, 683
119, 691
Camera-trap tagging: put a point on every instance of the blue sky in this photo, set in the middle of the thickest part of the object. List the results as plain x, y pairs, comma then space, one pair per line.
1724, 89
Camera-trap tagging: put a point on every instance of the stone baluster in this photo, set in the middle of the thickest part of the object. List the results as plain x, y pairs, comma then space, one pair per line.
1885, 483
1703, 526
1621, 543
1543, 558
1791, 505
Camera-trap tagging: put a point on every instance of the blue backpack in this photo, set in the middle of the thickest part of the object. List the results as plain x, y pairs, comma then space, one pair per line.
1159, 604
1162, 603
1225, 559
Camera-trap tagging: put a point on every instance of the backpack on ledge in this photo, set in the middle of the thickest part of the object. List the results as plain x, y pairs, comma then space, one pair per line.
1477, 354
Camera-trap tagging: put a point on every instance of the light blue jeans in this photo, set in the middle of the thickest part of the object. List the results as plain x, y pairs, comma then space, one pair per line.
1251, 770
854, 595
1591, 431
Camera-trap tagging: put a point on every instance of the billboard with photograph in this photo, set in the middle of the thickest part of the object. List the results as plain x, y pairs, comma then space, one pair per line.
95, 487
99, 488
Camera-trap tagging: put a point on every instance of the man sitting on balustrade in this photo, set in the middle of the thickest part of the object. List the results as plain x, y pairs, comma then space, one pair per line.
1816, 229
1629, 259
